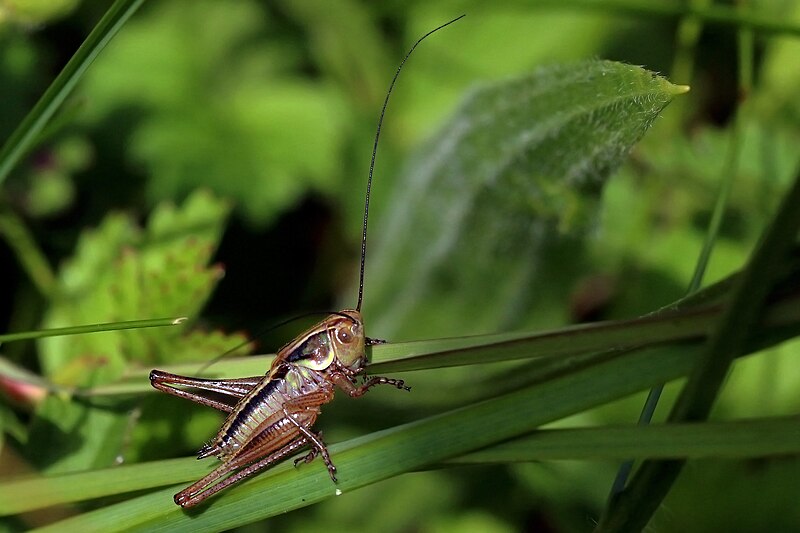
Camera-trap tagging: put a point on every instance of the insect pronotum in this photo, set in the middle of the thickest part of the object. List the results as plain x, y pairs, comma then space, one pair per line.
271, 417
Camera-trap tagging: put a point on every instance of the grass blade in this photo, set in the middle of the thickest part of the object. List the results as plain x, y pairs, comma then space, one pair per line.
631, 509
92, 328
24, 137
738, 439
761, 437
589, 382
679, 322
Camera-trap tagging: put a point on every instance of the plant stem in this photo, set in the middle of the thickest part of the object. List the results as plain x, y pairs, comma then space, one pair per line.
30, 257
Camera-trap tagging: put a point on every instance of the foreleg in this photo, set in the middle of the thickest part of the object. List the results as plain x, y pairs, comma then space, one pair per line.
346, 384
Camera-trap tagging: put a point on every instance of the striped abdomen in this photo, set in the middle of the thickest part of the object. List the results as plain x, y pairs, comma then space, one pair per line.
261, 415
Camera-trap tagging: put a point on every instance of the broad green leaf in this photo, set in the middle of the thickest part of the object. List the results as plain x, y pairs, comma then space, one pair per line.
511, 180
456, 58
121, 271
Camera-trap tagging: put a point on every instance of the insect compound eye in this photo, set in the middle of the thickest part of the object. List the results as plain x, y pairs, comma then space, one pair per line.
344, 335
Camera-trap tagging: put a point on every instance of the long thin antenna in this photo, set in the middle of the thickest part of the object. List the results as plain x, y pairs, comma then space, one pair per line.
375, 152
263, 331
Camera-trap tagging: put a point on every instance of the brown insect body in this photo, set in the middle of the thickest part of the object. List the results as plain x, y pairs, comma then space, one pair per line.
271, 417
273, 414
302, 376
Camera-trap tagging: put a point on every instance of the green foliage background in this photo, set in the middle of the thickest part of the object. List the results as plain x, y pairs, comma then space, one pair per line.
211, 164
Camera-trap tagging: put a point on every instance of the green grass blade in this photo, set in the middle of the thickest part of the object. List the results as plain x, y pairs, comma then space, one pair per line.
24, 137
728, 440
738, 439
92, 328
682, 324
401, 449
29, 493
600, 379
686, 51
632, 508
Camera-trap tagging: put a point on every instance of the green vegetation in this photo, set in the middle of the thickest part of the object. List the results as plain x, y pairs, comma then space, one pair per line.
208, 160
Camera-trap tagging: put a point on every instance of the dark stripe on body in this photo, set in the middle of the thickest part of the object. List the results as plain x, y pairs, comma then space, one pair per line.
253, 404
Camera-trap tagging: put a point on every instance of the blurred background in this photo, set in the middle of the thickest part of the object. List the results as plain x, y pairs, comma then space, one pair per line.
272, 106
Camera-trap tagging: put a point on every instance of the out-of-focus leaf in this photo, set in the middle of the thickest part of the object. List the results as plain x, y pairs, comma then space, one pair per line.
67, 436
777, 83
11, 425
656, 210
121, 272
674, 180
347, 44
34, 12
765, 166
520, 166
18, 60
48, 187
456, 58
723, 495
220, 107
766, 384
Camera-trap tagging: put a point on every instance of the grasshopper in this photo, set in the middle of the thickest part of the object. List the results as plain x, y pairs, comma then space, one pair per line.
271, 417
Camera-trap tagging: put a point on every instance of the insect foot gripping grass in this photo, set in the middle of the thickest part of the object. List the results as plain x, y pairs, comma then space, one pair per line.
271, 417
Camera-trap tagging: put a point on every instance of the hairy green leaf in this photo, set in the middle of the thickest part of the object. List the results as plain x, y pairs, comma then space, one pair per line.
512, 180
